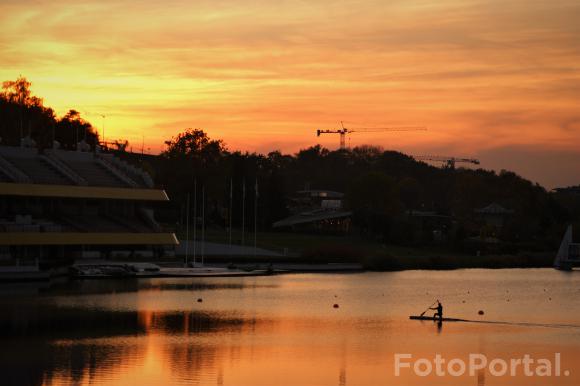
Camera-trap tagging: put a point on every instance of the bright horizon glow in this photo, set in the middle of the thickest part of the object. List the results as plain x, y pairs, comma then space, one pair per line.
491, 80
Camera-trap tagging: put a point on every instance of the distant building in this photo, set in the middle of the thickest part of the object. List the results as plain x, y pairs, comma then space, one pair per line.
494, 215
313, 199
316, 211
430, 225
574, 190
62, 205
318, 221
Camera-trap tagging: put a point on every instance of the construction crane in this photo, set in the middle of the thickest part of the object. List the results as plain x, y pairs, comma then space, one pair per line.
448, 162
343, 131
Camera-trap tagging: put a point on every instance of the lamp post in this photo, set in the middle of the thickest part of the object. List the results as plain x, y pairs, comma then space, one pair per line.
104, 140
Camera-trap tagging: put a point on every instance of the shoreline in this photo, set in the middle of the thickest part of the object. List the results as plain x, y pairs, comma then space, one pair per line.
449, 262
244, 267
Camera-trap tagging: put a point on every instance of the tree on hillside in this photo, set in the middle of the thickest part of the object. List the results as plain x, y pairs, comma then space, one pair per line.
72, 129
374, 201
18, 92
192, 155
194, 144
410, 192
23, 114
367, 153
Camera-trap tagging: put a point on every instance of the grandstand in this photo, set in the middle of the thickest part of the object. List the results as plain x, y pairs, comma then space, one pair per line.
58, 206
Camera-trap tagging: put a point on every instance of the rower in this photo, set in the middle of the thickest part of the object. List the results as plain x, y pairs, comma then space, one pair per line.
439, 310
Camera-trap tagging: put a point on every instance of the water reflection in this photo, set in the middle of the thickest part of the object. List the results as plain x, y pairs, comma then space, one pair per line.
61, 323
281, 331
481, 378
49, 345
84, 287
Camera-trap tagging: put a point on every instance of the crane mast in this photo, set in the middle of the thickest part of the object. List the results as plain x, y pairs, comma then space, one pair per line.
341, 132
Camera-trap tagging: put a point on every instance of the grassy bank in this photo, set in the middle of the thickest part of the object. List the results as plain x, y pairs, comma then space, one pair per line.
320, 249
400, 262
441, 262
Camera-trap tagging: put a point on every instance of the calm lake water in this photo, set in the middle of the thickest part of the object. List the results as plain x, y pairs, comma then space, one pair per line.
283, 330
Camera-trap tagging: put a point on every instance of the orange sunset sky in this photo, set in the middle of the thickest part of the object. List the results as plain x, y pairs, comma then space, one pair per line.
497, 80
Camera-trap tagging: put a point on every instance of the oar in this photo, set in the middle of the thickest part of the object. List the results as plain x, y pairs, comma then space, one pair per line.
428, 308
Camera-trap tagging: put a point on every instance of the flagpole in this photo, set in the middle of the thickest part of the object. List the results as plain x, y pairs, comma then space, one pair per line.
194, 220
255, 216
243, 210
202, 225
187, 231
231, 212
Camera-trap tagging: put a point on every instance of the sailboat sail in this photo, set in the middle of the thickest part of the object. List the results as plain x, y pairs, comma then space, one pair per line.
563, 256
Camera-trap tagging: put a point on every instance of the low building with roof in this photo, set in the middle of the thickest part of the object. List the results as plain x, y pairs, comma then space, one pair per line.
494, 214
316, 211
430, 226
319, 221
304, 200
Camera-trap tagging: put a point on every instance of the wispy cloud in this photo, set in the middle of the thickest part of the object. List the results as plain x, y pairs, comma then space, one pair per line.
482, 75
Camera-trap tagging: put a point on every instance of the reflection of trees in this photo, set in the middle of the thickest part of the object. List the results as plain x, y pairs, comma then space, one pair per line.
200, 286
76, 362
85, 287
23, 363
46, 343
28, 354
192, 358
52, 322
39, 361
194, 322
188, 361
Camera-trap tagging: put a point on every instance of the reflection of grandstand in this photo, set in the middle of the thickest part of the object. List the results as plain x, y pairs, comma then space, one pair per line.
61, 205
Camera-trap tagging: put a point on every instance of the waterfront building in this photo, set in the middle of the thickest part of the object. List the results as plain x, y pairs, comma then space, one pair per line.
57, 206
316, 211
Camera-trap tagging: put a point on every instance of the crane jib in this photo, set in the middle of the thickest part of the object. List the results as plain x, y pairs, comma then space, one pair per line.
347, 130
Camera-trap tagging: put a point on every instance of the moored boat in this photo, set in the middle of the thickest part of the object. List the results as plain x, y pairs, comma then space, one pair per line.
568, 255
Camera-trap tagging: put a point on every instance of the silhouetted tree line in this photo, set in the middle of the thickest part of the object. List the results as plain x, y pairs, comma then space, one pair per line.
194, 164
23, 115
382, 187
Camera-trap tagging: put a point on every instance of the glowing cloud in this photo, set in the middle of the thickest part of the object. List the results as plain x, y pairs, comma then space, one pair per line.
482, 75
